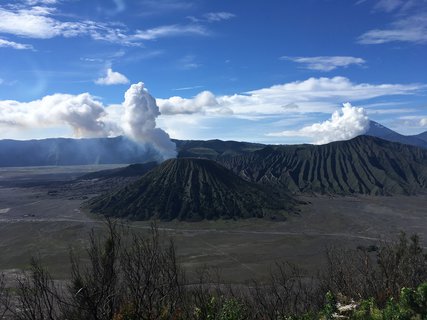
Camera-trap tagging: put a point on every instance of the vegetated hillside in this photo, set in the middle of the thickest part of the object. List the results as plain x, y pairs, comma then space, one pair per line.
212, 149
61, 151
192, 189
379, 131
137, 169
364, 165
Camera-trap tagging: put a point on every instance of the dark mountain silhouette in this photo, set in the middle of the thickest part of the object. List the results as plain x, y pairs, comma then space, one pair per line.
364, 165
379, 131
192, 189
421, 136
212, 149
120, 150
61, 151
137, 169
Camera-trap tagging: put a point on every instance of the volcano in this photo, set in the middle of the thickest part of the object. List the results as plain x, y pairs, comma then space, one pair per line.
192, 189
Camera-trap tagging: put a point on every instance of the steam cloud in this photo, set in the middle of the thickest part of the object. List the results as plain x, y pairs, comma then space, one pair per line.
139, 120
344, 125
88, 118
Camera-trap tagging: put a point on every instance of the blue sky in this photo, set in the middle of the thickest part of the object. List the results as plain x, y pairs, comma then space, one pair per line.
271, 71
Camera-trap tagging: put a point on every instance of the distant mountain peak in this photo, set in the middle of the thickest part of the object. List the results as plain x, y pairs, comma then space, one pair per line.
376, 124
378, 130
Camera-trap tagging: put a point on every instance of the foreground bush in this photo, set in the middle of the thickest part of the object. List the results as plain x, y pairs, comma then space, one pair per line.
129, 277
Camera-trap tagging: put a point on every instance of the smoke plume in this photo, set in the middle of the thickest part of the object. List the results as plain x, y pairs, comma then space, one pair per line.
139, 120
88, 118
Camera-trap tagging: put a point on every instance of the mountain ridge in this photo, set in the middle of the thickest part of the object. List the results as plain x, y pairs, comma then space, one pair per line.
364, 164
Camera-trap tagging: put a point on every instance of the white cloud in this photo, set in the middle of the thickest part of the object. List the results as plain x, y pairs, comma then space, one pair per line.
213, 17
31, 23
111, 78
201, 103
170, 31
15, 45
188, 62
389, 5
325, 63
218, 16
81, 112
39, 22
410, 29
344, 125
187, 88
45, 2
409, 23
249, 116
244, 116
311, 95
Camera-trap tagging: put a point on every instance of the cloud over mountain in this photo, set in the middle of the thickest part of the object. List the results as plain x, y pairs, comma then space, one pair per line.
344, 125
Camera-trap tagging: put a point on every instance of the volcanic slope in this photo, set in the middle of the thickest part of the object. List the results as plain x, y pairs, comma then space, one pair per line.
192, 189
137, 169
212, 149
365, 165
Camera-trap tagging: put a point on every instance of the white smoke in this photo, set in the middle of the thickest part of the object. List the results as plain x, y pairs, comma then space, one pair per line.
343, 125
88, 117
139, 120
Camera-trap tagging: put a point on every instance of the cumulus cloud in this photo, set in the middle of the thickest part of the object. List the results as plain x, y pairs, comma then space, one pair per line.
177, 105
88, 117
111, 78
83, 113
139, 120
15, 45
325, 63
344, 125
